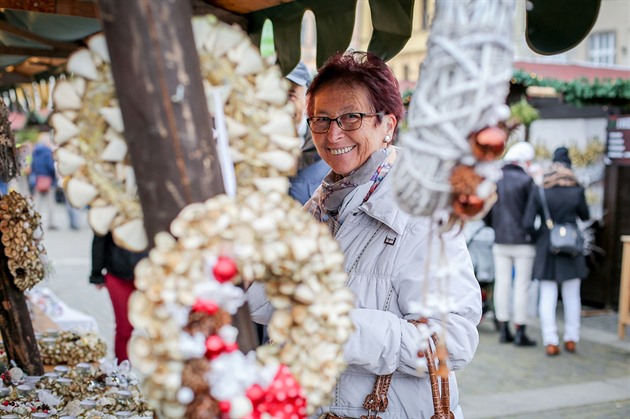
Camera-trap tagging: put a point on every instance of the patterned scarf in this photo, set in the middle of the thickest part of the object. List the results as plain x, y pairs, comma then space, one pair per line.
559, 175
325, 206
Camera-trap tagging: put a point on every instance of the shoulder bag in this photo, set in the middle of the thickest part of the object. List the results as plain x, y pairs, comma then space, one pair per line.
564, 239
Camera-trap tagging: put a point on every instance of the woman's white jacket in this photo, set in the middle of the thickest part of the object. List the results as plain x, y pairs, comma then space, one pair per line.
393, 261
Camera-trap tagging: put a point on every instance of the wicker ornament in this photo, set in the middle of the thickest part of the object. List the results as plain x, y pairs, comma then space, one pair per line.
456, 110
22, 240
269, 238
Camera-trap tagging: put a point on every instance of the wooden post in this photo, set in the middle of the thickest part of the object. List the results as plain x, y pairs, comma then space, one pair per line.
17, 331
624, 289
167, 124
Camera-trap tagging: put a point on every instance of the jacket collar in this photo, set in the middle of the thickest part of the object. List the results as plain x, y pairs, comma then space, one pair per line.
382, 206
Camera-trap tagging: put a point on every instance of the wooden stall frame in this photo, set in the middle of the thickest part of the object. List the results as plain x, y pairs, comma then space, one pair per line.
624, 289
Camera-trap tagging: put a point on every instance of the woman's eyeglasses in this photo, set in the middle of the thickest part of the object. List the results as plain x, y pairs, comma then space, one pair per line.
347, 122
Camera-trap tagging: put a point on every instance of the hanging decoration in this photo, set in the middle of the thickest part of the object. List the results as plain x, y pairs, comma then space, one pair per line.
191, 283
456, 118
22, 240
92, 152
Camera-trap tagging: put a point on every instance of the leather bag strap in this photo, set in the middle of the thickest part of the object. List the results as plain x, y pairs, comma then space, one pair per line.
377, 400
543, 200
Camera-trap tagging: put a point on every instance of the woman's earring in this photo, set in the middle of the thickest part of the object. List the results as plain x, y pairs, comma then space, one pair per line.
387, 138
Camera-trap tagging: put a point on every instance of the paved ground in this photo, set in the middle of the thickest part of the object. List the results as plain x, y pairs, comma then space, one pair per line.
503, 381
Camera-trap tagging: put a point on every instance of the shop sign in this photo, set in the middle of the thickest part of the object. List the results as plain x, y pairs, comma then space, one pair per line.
618, 140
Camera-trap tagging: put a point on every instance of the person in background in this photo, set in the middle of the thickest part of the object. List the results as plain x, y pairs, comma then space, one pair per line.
354, 108
311, 167
513, 249
566, 202
21, 182
44, 174
113, 268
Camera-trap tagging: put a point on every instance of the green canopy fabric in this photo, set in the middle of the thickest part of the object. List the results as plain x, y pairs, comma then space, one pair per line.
49, 26
391, 19
559, 25
553, 26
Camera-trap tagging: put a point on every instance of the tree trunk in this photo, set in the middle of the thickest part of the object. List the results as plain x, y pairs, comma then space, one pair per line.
167, 124
18, 335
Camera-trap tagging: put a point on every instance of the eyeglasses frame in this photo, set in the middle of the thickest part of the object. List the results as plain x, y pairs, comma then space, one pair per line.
330, 120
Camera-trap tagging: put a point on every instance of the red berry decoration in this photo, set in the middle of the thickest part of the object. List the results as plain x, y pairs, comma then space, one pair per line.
205, 306
225, 269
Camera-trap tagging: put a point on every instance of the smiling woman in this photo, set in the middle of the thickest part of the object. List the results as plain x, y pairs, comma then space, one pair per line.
354, 107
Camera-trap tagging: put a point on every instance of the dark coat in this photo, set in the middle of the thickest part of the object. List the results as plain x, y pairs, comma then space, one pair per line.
506, 215
565, 203
107, 257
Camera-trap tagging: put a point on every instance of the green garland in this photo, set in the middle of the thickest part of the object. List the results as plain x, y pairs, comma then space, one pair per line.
581, 92
577, 92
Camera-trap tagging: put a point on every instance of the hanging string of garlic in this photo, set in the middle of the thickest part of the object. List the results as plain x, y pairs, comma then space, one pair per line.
22, 240
92, 152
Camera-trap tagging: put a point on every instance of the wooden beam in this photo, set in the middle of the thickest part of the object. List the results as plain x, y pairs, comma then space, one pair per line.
7, 27
200, 7
34, 52
16, 327
156, 71
81, 8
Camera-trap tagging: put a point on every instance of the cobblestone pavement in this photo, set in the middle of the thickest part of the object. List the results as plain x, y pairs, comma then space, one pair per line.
611, 410
503, 381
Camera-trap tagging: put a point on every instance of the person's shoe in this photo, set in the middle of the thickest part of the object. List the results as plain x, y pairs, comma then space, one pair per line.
569, 346
552, 350
521, 339
505, 336
53, 228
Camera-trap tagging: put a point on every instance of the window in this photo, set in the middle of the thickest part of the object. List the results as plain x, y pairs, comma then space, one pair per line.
601, 47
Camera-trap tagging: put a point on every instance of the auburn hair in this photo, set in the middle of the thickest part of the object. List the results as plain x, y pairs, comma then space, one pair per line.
365, 69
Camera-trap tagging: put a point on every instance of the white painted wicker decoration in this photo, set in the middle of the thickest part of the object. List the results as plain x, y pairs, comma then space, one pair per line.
463, 84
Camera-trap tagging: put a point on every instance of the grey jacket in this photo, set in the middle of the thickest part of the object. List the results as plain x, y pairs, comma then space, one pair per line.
386, 251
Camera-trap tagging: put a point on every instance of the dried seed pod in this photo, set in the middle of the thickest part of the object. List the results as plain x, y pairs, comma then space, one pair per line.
21, 236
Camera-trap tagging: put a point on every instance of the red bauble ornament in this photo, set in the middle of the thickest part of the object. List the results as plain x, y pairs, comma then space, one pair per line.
225, 269
255, 393
225, 406
214, 346
489, 143
468, 205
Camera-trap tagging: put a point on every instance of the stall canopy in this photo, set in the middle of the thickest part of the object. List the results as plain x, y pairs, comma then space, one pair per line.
36, 36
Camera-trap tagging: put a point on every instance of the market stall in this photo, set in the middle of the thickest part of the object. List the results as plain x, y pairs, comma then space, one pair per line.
137, 145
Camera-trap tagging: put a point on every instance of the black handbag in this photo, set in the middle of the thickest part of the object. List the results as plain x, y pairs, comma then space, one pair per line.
564, 239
